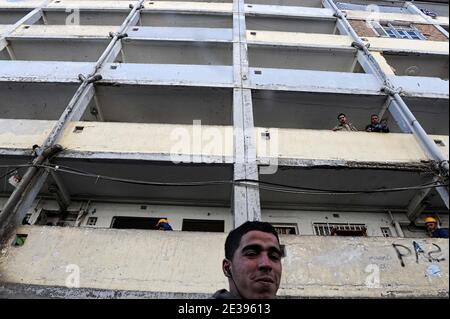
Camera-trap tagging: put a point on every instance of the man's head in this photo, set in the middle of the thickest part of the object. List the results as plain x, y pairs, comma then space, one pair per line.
374, 119
431, 223
161, 222
342, 118
253, 261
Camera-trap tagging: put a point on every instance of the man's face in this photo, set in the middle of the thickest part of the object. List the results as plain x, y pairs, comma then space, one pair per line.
431, 226
374, 119
256, 266
342, 119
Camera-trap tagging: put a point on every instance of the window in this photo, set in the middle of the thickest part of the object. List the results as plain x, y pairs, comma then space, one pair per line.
92, 221
125, 222
205, 225
286, 229
327, 229
386, 231
397, 31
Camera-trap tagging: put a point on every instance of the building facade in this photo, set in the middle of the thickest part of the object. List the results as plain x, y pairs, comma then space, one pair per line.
115, 114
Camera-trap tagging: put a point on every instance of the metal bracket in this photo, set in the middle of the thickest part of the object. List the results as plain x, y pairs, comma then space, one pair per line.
89, 80
391, 91
118, 35
360, 46
340, 15
131, 6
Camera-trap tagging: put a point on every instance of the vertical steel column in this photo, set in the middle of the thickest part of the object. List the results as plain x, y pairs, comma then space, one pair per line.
246, 201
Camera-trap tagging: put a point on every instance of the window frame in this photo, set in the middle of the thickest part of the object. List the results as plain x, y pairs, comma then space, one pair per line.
286, 226
386, 231
325, 229
387, 29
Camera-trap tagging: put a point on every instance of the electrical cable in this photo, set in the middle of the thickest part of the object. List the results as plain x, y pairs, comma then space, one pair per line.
422, 186
8, 173
274, 187
261, 184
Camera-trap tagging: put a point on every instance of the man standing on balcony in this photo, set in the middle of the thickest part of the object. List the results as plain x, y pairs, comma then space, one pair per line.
163, 224
344, 125
433, 230
376, 126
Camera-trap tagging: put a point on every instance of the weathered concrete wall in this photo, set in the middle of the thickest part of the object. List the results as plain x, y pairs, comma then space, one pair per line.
348, 146
189, 6
217, 141
49, 31
177, 262
149, 138
23, 134
390, 44
437, 46
311, 39
384, 16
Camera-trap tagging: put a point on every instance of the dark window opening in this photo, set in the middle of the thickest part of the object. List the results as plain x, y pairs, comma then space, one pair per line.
122, 222
286, 229
92, 221
20, 240
204, 225
338, 229
352, 233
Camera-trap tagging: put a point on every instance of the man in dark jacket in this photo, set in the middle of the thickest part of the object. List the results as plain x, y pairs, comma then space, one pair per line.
252, 262
376, 126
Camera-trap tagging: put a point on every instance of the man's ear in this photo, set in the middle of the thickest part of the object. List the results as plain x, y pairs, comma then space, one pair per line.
226, 265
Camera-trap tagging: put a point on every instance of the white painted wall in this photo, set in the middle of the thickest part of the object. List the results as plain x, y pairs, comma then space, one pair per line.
175, 214
303, 220
23, 134
384, 16
80, 31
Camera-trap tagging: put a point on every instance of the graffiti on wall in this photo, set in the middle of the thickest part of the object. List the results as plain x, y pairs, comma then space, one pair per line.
430, 255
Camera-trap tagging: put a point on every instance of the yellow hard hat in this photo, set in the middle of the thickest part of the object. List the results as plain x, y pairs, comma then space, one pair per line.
162, 220
430, 220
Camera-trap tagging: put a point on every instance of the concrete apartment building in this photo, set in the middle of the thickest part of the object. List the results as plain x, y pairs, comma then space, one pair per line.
115, 113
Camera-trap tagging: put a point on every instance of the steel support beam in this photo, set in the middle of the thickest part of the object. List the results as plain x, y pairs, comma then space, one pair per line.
412, 7
25, 193
404, 117
63, 193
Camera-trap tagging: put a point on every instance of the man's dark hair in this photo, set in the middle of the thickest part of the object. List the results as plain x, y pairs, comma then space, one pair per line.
374, 115
340, 114
234, 237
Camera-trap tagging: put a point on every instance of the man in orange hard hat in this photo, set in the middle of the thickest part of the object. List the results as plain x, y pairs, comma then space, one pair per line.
163, 224
433, 230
